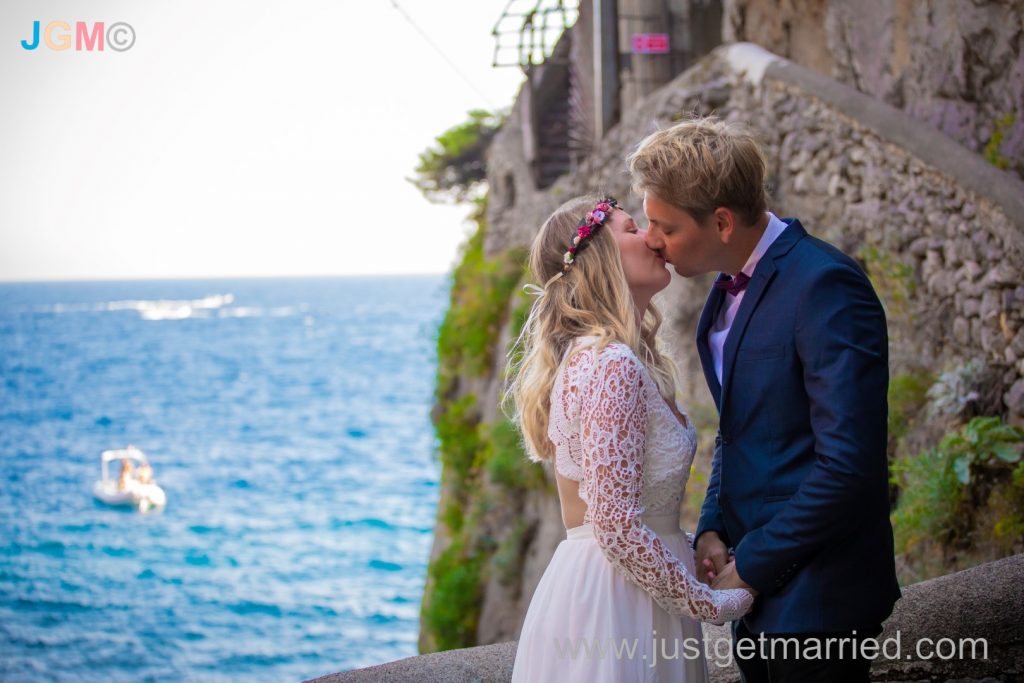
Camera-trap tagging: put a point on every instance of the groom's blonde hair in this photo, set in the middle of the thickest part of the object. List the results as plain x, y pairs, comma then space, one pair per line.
592, 298
701, 164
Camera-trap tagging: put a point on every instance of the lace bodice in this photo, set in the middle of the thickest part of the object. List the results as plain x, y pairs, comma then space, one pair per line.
616, 435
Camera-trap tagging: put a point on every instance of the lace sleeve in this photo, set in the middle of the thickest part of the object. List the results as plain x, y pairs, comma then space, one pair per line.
613, 423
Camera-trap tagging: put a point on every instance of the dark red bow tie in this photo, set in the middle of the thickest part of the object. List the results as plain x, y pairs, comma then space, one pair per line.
733, 285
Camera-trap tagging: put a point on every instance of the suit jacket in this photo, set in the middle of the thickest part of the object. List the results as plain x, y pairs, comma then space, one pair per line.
799, 479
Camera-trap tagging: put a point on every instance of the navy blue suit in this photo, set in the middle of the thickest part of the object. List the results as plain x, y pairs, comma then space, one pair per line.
799, 480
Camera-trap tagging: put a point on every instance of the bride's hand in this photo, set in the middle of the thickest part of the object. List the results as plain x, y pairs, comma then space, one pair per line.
712, 556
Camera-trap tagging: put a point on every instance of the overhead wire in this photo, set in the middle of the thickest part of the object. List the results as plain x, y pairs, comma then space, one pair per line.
440, 52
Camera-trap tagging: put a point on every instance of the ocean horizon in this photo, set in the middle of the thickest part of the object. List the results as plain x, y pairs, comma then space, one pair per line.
288, 421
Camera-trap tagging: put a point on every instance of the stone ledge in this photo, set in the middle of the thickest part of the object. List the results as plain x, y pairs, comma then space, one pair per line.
486, 663
981, 602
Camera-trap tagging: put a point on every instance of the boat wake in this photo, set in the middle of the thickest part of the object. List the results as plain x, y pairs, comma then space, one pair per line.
216, 305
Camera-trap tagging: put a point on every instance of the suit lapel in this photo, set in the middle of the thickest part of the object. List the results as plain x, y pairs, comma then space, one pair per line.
763, 275
707, 317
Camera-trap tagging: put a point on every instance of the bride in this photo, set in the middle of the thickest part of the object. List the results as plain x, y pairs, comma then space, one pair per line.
592, 393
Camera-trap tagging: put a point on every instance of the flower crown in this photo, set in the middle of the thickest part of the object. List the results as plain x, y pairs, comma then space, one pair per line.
588, 224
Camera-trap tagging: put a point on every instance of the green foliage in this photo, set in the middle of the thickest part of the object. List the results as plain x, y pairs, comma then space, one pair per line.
505, 460
508, 557
452, 516
1018, 476
983, 441
704, 417
454, 168
457, 432
939, 487
908, 394
473, 452
1009, 503
481, 289
452, 609
521, 304
894, 280
696, 489
991, 152
930, 496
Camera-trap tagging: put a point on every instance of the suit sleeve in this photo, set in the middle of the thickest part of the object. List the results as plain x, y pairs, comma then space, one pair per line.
842, 344
710, 511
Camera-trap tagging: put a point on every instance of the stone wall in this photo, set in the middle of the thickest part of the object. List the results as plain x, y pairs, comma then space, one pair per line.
955, 65
946, 223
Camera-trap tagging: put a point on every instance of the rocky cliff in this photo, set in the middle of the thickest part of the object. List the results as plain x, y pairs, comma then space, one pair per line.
939, 228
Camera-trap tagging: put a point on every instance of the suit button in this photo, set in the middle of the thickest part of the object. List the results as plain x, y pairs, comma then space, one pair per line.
725, 438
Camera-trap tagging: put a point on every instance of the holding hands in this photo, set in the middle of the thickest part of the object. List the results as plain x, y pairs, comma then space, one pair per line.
716, 566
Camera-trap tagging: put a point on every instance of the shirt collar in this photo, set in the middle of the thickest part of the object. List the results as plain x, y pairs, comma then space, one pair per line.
775, 227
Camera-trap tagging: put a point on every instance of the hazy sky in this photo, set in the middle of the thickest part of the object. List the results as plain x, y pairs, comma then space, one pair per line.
236, 138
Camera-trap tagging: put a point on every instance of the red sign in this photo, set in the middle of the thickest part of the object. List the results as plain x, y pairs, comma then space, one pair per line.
650, 43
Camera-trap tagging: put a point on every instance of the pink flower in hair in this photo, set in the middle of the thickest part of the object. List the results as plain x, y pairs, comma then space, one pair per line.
587, 225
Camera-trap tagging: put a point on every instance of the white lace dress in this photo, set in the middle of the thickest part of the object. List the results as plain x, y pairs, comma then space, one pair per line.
619, 601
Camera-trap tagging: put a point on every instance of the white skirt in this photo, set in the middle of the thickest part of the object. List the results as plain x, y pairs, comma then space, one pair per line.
587, 623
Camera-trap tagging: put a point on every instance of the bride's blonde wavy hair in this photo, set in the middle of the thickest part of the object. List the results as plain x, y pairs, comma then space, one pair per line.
591, 299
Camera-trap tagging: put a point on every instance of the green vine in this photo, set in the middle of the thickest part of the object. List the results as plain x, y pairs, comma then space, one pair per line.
992, 153
894, 280
505, 461
454, 168
908, 394
452, 612
481, 289
982, 443
476, 456
945, 490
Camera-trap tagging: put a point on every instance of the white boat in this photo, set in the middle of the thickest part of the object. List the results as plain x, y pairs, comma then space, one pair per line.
128, 490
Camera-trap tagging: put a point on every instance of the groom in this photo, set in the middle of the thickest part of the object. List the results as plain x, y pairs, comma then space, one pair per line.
793, 344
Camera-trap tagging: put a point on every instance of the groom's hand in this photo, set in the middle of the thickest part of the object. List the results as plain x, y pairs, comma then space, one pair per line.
712, 556
730, 578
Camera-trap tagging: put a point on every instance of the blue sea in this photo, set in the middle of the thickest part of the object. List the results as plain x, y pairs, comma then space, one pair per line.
288, 422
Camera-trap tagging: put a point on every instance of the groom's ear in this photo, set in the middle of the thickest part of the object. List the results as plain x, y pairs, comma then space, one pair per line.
724, 221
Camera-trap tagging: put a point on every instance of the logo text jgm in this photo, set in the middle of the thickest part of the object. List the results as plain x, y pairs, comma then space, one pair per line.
119, 36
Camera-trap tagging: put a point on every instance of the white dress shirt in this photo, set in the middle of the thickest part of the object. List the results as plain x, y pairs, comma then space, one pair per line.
727, 312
